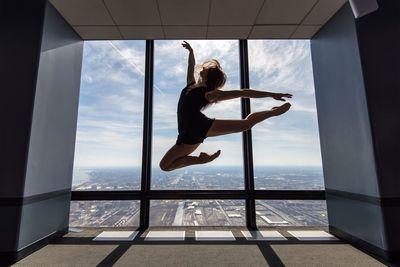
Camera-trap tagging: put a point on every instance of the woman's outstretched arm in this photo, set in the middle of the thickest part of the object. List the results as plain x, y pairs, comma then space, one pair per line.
221, 95
191, 63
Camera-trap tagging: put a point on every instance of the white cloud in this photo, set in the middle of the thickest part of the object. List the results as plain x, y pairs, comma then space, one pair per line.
111, 104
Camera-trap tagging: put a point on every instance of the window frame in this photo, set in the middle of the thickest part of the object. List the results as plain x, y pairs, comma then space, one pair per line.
146, 194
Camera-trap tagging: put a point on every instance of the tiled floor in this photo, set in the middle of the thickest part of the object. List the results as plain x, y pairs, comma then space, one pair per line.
200, 246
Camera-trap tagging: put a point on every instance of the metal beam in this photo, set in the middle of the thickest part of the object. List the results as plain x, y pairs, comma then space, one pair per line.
199, 194
147, 133
247, 144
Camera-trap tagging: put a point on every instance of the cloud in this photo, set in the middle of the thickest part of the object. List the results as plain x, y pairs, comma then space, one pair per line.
291, 139
281, 64
112, 90
110, 115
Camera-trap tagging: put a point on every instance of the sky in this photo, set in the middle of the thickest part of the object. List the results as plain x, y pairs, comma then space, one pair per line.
110, 117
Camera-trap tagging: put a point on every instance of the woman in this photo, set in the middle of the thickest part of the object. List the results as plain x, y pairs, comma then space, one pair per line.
194, 126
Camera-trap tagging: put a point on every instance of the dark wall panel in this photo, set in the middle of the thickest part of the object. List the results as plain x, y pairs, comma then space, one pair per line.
357, 79
379, 41
345, 131
52, 142
346, 142
42, 218
21, 24
9, 228
40, 66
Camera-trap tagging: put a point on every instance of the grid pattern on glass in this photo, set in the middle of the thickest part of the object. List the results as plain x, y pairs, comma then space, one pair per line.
197, 213
170, 68
110, 117
112, 213
291, 213
292, 139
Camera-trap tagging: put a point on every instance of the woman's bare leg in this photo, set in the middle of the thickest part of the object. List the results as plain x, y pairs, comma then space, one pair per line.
222, 127
178, 157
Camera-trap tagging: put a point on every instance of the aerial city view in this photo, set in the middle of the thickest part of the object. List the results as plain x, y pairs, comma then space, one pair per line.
110, 133
199, 212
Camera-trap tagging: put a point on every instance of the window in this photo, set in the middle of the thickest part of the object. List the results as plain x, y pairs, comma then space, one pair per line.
286, 149
114, 107
216, 212
170, 68
108, 149
104, 214
291, 213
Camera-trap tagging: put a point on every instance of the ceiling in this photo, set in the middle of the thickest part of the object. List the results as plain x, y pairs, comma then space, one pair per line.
197, 19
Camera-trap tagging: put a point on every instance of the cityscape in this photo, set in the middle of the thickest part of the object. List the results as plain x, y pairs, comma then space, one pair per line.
213, 212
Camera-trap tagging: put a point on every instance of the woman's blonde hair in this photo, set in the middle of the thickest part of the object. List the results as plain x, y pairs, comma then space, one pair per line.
216, 77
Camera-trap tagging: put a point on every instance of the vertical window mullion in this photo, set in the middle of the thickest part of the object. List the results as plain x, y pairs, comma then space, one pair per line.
247, 144
147, 135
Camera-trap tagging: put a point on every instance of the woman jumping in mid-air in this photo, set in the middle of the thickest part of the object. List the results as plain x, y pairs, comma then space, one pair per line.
194, 126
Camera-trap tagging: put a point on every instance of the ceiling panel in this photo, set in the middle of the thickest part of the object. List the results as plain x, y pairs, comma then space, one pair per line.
284, 11
234, 12
184, 12
305, 31
134, 12
142, 32
228, 32
323, 11
272, 31
83, 12
98, 32
197, 19
185, 32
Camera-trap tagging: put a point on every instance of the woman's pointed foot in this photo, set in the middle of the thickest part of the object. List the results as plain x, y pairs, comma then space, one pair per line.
208, 158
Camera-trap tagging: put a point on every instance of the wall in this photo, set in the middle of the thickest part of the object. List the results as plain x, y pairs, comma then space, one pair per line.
379, 42
52, 140
18, 71
355, 86
42, 76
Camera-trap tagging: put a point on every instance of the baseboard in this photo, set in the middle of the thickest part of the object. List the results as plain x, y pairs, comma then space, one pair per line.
11, 257
389, 256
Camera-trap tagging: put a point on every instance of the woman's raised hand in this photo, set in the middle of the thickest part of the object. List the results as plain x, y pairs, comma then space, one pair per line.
187, 46
279, 96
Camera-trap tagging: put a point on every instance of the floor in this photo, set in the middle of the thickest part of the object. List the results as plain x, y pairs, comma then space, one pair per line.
79, 249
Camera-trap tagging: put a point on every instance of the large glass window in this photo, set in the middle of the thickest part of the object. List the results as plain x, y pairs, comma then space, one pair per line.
110, 118
291, 213
108, 153
286, 148
104, 213
170, 68
217, 212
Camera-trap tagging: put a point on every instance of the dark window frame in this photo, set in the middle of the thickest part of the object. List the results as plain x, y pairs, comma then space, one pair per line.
146, 194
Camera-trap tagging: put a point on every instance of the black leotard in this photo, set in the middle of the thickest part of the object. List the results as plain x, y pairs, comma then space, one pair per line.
193, 125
